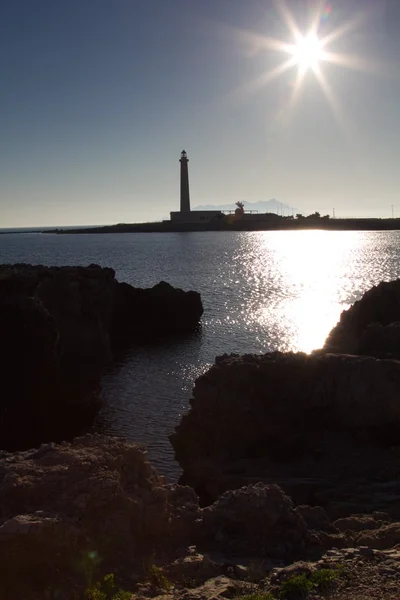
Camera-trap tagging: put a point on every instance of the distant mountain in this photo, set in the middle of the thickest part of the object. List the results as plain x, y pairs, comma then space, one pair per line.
262, 206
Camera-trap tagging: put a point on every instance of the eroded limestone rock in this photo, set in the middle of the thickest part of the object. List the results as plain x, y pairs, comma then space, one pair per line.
321, 426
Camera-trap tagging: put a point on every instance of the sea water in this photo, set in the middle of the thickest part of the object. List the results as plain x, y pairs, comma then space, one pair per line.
261, 291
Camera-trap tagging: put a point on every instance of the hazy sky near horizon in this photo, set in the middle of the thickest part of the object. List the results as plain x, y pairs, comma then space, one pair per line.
99, 97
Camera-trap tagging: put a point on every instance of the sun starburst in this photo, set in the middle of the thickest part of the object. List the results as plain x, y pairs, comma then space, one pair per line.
307, 51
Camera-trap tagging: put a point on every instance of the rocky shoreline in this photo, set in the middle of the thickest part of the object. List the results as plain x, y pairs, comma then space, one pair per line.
73, 512
325, 427
60, 326
291, 462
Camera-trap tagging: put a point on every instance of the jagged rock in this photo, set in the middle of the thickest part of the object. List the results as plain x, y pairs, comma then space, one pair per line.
192, 570
96, 506
298, 568
359, 523
96, 503
257, 519
143, 314
315, 518
64, 507
79, 300
371, 325
59, 327
217, 588
325, 427
383, 538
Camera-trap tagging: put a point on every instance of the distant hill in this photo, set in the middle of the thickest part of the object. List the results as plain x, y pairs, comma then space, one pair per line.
262, 206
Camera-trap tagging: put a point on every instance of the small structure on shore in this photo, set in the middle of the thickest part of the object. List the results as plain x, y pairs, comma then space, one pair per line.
239, 212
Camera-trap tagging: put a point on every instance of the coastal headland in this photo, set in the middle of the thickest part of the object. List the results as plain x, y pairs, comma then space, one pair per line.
60, 328
290, 462
275, 223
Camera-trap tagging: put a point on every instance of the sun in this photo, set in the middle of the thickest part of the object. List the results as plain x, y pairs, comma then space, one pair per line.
307, 52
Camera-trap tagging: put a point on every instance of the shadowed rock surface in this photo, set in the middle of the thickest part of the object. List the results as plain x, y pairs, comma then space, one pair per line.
99, 495
96, 495
257, 517
371, 325
325, 427
141, 315
59, 327
71, 513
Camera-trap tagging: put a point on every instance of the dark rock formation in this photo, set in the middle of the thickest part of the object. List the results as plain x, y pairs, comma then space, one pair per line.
42, 396
71, 513
326, 428
258, 517
315, 518
371, 325
143, 314
59, 327
66, 508
96, 503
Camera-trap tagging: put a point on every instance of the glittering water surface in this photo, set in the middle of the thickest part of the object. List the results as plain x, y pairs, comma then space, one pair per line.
261, 291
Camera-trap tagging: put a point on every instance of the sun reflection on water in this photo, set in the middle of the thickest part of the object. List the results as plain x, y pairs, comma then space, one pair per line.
311, 267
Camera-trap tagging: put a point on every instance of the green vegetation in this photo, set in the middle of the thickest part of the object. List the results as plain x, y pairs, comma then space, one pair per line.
158, 579
314, 217
296, 587
341, 571
106, 590
324, 579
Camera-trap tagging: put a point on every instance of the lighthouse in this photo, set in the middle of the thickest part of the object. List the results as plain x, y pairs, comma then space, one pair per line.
185, 198
186, 217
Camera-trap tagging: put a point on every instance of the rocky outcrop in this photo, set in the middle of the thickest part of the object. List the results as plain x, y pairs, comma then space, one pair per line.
371, 325
143, 314
258, 517
71, 513
343, 574
94, 505
325, 427
94, 313
59, 327
97, 504
74, 506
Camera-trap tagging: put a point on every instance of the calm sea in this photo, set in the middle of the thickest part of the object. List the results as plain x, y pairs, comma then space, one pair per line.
261, 291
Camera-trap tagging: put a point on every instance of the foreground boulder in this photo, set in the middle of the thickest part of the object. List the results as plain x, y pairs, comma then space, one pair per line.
71, 513
371, 326
96, 505
325, 427
59, 327
258, 516
87, 507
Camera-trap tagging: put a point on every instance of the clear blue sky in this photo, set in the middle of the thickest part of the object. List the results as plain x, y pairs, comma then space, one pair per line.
98, 98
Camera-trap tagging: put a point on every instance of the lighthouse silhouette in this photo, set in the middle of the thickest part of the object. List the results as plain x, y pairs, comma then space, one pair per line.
185, 198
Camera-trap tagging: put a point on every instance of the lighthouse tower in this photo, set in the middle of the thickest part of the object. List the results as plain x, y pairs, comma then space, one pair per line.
186, 217
185, 199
